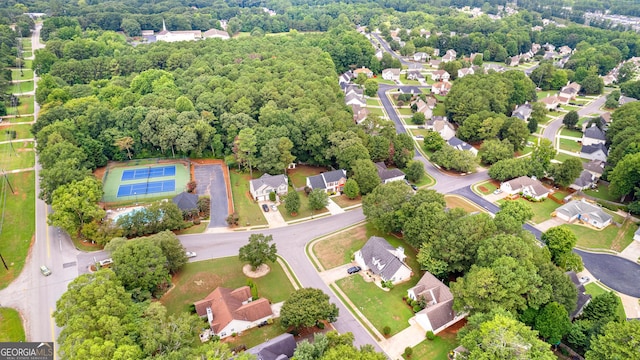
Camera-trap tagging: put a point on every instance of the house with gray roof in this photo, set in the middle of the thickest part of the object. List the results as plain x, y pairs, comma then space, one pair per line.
330, 181
261, 187
583, 297
388, 175
526, 186
355, 99
593, 135
438, 313
279, 348
523, 112
460, 145
382, 259
583, 211
186, 201
594, 152
596, 167
586, 180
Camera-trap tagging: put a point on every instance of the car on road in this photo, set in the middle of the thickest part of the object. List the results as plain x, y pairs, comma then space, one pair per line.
265, 208
105, 262
191, 254
274, 207
497, 191
354, 269
45, 270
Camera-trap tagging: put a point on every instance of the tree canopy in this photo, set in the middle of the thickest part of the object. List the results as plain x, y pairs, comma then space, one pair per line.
305, 307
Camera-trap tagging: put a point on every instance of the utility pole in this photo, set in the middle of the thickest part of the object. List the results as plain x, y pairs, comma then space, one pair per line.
4, 173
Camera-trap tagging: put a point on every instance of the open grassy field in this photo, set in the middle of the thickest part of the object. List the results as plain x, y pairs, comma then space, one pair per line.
11, 329
28, 64
25, 107
612, 237
298, 176
594, 290
17, 155
22, 87
22, 132
570, 145
198, 279
19, 225
248, 210
21, 119
25, 74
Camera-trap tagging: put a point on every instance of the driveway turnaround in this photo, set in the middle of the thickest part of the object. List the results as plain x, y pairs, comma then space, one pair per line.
210, 179
614, 271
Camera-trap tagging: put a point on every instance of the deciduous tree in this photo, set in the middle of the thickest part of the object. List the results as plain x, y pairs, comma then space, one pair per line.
414, 171
553, 322
318, 199
292, 202
383, 206
560, 241
305, 307
494, 150
141, 267
365, 173
618, 341
351, 189
571, 119
75, 205
567, 172
258, 251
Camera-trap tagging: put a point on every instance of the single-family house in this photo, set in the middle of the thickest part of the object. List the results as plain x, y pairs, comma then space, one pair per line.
593, 135
231, 311
594, 152
514, 60
458, 144
571, 90
563, 99
186, 201
550, 102
494, 67
609, 79
599, 121
440, 75
346, 77
441, 88
523, 112
606, 117
549, 55
565, 50
438, 313
391, 74
432, 102
583, 297
261, 187
388, 175
353, 89
595, 167
379, 54
449, 56
363, 70
586, 180
585, 212
216, 34
636, 235
535, 48
442, 126
423, 107
330, 181
382, 259
359, 113
526, 186
280, 347
549, 47
465, 71
421, 56
435, 63
415, 75
355, 99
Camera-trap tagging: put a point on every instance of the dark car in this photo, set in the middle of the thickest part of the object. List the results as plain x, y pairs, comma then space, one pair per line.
415, 188
265, 208
353, 270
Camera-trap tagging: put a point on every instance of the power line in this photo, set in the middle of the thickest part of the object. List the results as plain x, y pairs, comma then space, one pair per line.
4, 203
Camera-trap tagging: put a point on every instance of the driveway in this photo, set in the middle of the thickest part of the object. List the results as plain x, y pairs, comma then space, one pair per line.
334, 208
632, 252
210, 180
335, 274
274, 218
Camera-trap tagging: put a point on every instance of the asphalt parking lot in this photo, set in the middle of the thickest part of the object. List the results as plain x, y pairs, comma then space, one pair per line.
210, 180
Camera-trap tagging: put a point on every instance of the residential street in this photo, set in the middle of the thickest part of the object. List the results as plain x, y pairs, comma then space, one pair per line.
554, 126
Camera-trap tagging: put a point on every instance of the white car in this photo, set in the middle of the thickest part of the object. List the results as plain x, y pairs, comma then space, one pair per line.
274, 207
105, 262
584, 279
191, 254
497, 191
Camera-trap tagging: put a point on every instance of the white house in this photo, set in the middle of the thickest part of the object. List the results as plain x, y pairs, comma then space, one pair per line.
415, 75
585, 212
594, 152
388, 175
593, 135
420, 56
363, 70
391, 74
440, 75
526, 186
460, 145
449, 56
442, 126
261, 188
355, 99
465, 71
231, 311
550, 102
330, 182
216, 34
382, 259
523, 112
571, 90
438, 313
441, 88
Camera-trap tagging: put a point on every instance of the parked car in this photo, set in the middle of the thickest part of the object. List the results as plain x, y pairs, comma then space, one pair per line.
45, 270
191, 254
497, 191
105, 262
353, 270
584, 279
274, 207
415, 188
265, 208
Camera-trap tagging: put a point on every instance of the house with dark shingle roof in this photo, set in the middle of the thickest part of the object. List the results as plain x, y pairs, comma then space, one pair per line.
460, 145
583, 297
261, 187
594, 152
382, 259
330, 181
586, 180
279, 348
523, 112
388, 175
596, 167
231, 311
593, 135
186, 201
585, 212
526, 186
438, 313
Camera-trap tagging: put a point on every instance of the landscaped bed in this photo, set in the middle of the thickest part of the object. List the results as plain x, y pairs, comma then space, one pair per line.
248, 210
198, 279
488, 187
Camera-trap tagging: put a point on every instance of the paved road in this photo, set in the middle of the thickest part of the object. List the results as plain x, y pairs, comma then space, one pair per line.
210, 181
386, 48
617, 273
592, 108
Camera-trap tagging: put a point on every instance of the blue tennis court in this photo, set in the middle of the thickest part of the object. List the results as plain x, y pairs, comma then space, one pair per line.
148, 172
144, 188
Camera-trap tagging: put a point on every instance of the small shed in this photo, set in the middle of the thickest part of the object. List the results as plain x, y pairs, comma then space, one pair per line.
186, 201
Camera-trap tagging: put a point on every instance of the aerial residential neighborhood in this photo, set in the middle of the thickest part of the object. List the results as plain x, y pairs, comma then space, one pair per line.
319, 181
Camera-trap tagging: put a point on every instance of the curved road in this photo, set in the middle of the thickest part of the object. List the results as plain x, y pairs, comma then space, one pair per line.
620, 274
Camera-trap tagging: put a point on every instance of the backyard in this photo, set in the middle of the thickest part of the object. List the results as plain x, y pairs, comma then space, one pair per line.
248, 210
563, 156
198, 279
594, 290
611, 237
438, 348
602, 192
11, 329
299, 175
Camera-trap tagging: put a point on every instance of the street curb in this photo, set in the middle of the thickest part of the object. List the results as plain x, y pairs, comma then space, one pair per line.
289, 272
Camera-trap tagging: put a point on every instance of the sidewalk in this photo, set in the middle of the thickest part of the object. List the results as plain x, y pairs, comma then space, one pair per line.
333, 208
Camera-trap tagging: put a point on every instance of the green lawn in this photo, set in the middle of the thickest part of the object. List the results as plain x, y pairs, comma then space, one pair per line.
487, 187
411, 82
570, 132
546, 120
562, 157
602, 192
380, 80
256, 336
426, 180
376, 111
436, 349
440, 98
580, 101
611, 237
11, 329
544, 94
19, 225
569, 107
304, 208
22, 132
343, 201
405, 110
198, 279
26, 54
17, 155
570, 145
26, 74
298, 176
28, 64
25, 107
248, 210
416, 132
439, 110
373, 102
26, 43
594, 290
20, 119
21, 87
541, 210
